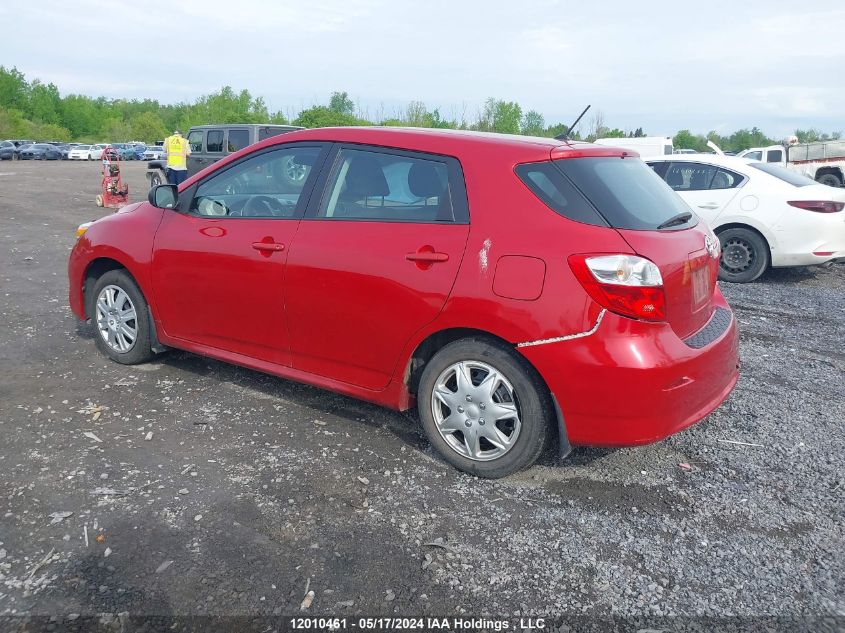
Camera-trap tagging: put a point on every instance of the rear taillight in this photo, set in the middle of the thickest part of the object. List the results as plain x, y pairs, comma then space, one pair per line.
625, 284
819, 206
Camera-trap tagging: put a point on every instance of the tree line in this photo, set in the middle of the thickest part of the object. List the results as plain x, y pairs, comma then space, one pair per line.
35, 110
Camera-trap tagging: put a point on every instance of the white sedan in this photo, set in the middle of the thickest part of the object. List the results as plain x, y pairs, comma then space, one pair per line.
80, 152
765, 215
95, 152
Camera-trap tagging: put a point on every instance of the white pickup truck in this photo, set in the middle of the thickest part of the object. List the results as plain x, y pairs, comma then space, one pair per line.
823, 161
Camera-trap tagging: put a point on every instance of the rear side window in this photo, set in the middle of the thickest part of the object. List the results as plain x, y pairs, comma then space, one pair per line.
555, 189
214, 141
775, 156
238, 139
267, 132
625, 191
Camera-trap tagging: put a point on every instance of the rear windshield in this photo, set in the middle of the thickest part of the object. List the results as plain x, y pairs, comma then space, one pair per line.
784, 174
606, 191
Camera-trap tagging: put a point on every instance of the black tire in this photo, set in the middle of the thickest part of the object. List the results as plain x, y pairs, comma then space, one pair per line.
831, 180
745, 255
157, 178
531, 400
140, 352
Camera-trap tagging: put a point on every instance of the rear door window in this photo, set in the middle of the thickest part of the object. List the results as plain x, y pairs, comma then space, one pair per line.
688, 176
391, 186
774, 156
726, 179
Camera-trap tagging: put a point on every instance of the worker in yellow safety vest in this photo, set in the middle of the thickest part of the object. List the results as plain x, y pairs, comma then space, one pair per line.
177, 149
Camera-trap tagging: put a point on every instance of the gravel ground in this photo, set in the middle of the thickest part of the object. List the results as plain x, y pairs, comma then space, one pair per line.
192, 487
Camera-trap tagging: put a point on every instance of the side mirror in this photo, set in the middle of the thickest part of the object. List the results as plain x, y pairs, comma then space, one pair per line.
163, 196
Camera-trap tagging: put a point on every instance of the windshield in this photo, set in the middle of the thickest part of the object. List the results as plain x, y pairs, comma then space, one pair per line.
42, 146
784, 174
82, 147
626, 192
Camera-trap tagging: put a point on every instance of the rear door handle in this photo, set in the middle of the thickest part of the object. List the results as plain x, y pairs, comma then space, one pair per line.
268, 247
427, 257
711, 205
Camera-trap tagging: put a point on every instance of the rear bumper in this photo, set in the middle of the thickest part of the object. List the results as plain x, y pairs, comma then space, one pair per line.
633, 382
806, 238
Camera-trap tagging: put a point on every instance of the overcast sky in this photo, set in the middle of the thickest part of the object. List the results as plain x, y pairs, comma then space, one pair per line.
662, 65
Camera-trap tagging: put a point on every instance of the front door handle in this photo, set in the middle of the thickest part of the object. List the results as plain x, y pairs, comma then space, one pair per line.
427, 257
268, 247
711, 205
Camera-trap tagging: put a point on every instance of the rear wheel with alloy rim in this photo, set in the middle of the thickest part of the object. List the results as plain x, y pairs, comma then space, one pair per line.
121, 319
745, 255
483, 408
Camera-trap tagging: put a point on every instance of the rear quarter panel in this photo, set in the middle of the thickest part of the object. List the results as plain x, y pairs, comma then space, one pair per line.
507, 219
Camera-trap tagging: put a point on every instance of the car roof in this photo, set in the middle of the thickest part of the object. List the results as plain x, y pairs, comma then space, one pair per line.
217, 126
449, 142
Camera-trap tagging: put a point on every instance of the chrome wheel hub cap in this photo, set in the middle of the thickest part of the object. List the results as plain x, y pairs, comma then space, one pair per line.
116, 319
476, 410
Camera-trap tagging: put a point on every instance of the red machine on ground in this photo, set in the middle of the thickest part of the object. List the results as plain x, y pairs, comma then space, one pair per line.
115, 193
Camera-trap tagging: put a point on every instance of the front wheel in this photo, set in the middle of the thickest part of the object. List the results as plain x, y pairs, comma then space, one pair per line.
157, 178
745, 255
121, 318
484, 409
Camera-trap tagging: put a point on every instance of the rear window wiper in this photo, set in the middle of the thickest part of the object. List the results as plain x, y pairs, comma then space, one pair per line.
681, 218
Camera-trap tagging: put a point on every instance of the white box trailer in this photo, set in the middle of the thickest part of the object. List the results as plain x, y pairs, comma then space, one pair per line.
823, 161
645, 146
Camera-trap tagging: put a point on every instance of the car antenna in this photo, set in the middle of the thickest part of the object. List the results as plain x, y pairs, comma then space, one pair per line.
565, 135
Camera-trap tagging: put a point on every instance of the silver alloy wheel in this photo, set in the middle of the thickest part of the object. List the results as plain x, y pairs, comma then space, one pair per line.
116, 319
294, 171
475, 410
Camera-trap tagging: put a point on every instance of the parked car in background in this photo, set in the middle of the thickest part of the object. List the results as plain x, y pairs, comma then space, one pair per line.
124, 150
210, 143
764, 214
139, 150
8, 151
79, 152
645, 146
40, 151
95, 152
64, 148
154, 152
822, 161
600, 302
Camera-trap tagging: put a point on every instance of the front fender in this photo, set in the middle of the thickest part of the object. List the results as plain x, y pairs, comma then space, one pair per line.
123, 238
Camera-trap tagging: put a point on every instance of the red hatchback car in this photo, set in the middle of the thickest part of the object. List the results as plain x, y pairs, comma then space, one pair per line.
517, 289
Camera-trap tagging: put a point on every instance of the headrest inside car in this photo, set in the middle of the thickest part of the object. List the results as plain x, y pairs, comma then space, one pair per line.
365, 177
423, 180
